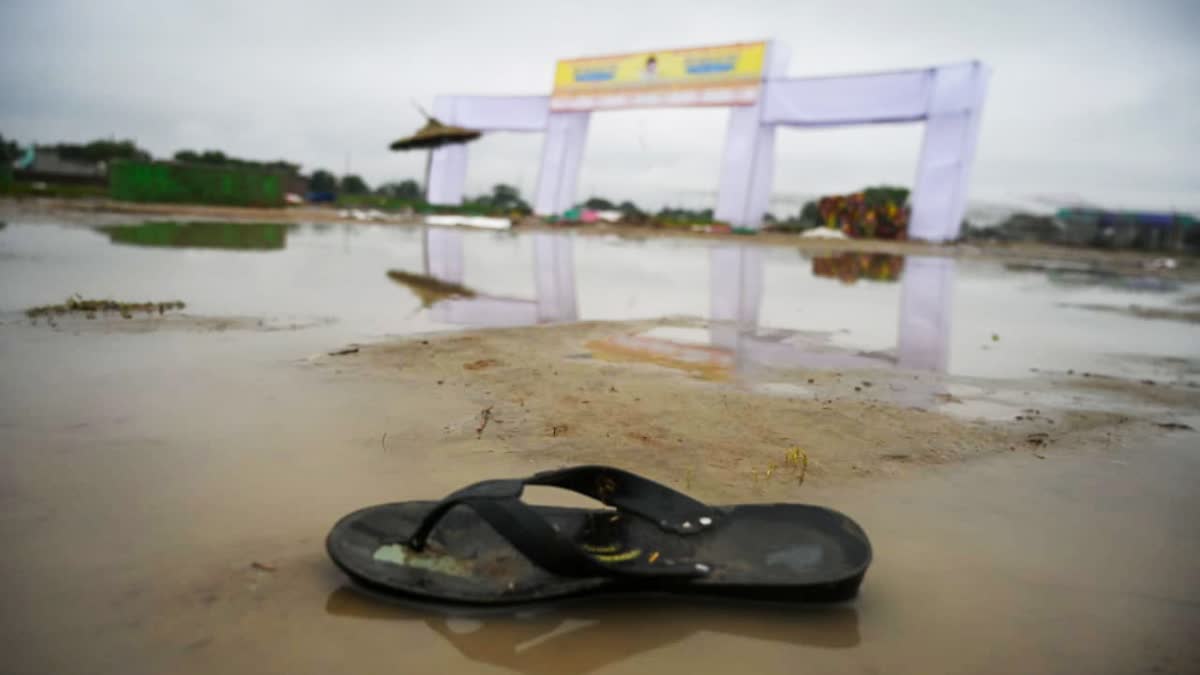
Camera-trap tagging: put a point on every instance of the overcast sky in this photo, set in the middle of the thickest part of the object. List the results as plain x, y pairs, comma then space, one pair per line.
1092, 101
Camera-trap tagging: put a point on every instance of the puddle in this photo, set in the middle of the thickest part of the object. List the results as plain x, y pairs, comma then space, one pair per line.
200, 469
964, 318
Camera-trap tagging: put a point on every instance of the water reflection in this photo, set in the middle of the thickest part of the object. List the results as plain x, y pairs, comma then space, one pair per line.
578, 638
850, 267
339, 272
926, 293
736, 287
1087, 274
238, 236
429, 289
736, 282
553, 275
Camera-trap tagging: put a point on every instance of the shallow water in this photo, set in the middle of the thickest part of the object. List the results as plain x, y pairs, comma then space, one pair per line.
968, 318
143, 474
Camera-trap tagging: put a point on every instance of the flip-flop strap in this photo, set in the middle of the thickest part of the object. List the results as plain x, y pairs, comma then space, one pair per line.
498, 502
628, 492
670, 510
544, 546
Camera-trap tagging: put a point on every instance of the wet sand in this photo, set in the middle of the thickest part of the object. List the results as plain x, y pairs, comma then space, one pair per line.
144, 486
165, 491
561, 394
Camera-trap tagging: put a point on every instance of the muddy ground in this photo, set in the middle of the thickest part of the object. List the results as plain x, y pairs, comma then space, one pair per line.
167, 481
579, 393
170, 489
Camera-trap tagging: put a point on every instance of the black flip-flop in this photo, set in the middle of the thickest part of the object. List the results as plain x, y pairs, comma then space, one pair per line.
499, 550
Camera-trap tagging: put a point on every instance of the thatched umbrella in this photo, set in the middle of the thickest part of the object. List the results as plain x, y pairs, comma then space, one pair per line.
432, 136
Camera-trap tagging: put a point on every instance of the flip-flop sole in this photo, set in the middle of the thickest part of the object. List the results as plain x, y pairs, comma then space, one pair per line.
791, 552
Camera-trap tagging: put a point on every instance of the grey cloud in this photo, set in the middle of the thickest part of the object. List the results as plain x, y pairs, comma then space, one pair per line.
1089, 98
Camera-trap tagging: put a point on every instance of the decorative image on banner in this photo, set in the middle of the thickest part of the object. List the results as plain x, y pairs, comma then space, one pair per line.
723, 75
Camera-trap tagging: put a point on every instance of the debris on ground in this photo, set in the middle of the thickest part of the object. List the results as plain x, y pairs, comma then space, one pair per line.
486, 416
1038, 439
480, 364
78, 304
262, 566
343, 352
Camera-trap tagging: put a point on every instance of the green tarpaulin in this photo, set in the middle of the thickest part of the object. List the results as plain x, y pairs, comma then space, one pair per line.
194, 184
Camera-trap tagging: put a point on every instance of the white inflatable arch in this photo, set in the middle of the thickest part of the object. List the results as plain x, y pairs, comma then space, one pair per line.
948, 99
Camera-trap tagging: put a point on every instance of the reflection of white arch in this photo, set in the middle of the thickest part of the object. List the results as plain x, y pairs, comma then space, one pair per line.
926, 294
735, 298
923, 342
554, 281
949, 99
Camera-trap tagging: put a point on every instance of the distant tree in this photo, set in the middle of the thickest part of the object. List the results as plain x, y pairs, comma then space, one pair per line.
810, 214
680, 215
281, 165
629, 208
599, 204
218, 158
214, 157
352, 184
504, 198
322, 181
505, 195
507, 198
104, 150
769, 217
405, 189
9, 150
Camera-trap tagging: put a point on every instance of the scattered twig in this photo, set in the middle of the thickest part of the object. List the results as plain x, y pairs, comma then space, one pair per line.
343, 352
383, 441
487, 416
262, 567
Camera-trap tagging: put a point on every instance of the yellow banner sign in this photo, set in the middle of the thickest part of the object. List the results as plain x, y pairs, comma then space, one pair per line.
723, 75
